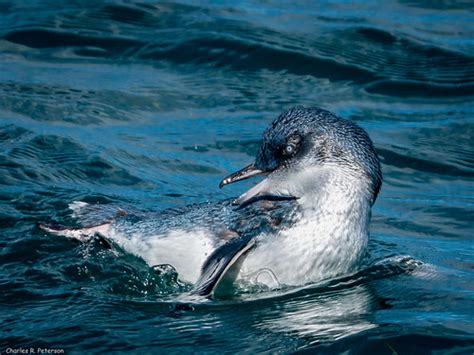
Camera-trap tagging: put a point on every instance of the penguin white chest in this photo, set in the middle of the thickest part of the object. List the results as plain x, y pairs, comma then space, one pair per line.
327, 243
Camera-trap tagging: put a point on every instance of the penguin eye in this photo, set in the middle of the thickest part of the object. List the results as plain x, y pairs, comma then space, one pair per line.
292, 146
290, 149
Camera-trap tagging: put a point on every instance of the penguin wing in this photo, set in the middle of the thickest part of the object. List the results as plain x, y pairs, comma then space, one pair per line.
222, 266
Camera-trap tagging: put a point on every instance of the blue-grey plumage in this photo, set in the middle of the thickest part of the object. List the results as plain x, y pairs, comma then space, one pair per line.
306, 221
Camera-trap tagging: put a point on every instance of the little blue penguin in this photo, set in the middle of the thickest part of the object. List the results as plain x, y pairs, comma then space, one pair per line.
306, 221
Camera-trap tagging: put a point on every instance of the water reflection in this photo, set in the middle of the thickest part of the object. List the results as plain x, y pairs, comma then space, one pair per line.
324, 317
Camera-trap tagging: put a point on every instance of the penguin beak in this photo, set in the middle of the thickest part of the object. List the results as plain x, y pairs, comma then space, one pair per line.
261, 191
245, 173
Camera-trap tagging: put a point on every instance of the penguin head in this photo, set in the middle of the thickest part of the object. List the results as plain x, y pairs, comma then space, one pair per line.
299, 145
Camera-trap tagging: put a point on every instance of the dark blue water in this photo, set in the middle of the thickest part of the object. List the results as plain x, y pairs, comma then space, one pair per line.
148, 105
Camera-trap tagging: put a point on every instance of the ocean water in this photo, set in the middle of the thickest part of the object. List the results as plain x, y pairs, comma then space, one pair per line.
149, 104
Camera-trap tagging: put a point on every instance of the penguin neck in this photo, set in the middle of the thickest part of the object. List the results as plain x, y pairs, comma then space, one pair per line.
339, 196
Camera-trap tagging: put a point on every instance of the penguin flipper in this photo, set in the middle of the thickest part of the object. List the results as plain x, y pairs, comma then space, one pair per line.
222, 266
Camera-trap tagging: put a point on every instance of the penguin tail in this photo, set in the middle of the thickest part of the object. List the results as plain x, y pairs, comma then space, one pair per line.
82, 234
